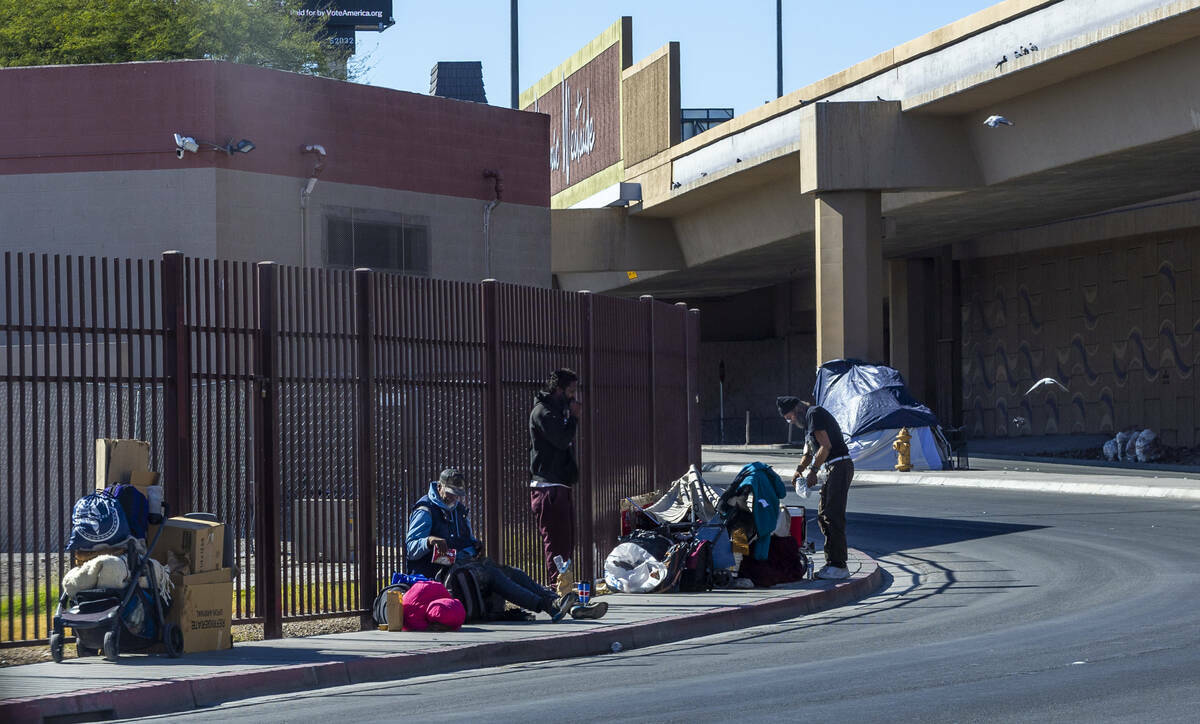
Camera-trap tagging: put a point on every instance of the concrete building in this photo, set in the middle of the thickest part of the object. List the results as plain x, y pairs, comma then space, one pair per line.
875, 215
340, 174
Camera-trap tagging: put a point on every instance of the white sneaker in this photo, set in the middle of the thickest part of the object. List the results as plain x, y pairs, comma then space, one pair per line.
833, 573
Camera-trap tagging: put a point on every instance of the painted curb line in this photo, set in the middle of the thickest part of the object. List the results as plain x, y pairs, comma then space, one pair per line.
178, 695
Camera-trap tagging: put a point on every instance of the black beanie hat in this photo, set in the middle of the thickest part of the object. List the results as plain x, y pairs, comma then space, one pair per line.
786, 404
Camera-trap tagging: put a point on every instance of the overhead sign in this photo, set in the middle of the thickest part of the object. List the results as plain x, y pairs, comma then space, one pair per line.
357, 14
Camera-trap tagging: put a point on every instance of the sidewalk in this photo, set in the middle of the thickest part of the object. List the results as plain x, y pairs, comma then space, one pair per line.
93, 689
1085, 477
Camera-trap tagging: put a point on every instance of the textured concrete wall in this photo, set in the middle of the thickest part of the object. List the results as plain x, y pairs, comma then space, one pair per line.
1118, 321
755, 373
650, 105
255, 217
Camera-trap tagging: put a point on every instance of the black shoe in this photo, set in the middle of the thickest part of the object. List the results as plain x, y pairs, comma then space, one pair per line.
562, 606
593, 610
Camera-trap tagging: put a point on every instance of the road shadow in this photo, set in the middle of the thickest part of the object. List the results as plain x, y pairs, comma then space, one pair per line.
892, 533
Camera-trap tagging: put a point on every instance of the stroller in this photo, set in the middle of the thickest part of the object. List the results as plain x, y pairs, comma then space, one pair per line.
112, 620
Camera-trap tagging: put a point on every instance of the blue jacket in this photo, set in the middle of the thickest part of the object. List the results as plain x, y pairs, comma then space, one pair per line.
432, 517
768, 491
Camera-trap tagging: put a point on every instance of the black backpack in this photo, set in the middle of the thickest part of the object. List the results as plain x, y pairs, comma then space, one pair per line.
655, 544
466, 582
697, 573
135, 505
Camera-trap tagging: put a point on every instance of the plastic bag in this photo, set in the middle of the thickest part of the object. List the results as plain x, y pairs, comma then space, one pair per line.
1122, 439
630, 569
1111, 452
783, 527
1147, 447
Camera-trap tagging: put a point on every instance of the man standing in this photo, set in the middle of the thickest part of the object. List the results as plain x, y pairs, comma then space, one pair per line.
552, 466
831, 451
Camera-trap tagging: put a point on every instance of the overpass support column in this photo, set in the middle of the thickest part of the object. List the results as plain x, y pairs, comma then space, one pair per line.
912, 324
849, 267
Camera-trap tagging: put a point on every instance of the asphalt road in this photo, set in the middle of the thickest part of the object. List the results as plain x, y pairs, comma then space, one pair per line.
999, 607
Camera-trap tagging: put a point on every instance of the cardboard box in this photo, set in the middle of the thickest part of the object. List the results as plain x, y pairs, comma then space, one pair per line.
202, 608
395, 610
118, 459
200, 542
143, 478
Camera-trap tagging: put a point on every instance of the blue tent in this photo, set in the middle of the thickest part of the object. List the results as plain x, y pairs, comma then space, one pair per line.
871, 404
864, 398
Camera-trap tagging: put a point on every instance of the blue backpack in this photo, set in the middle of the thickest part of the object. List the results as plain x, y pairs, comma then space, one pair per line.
97, 521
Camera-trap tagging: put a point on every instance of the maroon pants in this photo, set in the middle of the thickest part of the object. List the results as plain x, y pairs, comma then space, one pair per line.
556, 522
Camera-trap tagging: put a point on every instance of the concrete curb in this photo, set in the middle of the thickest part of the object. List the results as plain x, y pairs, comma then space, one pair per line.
177, 695
999, 482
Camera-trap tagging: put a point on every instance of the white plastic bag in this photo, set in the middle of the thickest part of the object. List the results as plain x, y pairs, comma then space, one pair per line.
1131, 446
783, 528
631, 569
1123, 439
1147, 447
1110, 450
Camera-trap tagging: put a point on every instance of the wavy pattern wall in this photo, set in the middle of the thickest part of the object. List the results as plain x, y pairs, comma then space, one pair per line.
1118, 322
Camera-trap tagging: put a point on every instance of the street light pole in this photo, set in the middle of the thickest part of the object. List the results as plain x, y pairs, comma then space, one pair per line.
778, 48
516, 89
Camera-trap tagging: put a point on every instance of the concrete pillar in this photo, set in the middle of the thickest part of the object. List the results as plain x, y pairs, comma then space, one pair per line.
900, 322
913, 324
849, 268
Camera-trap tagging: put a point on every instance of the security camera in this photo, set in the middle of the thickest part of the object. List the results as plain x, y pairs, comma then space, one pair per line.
179, 153
186, 143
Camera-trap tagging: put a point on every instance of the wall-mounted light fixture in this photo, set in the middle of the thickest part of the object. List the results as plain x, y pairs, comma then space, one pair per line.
187, 144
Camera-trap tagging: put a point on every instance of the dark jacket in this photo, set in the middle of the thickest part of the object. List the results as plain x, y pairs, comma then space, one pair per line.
432, 517
552, 441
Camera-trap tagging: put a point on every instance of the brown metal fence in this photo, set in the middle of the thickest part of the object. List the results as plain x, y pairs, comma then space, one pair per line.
310, 408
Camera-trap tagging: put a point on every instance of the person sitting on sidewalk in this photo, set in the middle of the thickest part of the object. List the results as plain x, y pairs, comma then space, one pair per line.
439, 523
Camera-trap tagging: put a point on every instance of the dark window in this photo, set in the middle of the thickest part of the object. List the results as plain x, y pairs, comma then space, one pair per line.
377, 240
699, 120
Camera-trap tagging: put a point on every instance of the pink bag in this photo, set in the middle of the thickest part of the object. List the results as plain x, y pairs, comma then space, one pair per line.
429, 602
448, 612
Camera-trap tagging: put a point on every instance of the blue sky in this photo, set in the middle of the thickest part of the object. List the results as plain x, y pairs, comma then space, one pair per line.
727, 49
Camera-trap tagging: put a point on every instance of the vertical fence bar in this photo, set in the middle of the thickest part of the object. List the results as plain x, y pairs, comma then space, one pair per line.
693, 385
267, 547
366, 526
492, 418
651, 394
177, 387
587, 466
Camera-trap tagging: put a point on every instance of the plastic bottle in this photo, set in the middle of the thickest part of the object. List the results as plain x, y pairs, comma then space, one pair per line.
562, 565
154, 499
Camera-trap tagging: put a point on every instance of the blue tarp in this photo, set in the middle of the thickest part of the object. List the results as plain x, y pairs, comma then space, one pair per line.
864, 398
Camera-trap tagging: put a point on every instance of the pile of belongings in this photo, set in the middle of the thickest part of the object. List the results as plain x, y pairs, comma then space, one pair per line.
681, 550
760, 529
1143, 446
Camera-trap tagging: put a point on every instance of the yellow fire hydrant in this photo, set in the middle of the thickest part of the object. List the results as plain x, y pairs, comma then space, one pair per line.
903, 450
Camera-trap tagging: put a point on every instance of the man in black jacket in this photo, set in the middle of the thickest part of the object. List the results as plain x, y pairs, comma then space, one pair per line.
552, 466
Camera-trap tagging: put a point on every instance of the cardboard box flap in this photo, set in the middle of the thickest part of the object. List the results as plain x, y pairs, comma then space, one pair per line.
143, 478
118, 459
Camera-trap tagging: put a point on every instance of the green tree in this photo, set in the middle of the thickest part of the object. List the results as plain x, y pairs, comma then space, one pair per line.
267, 33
